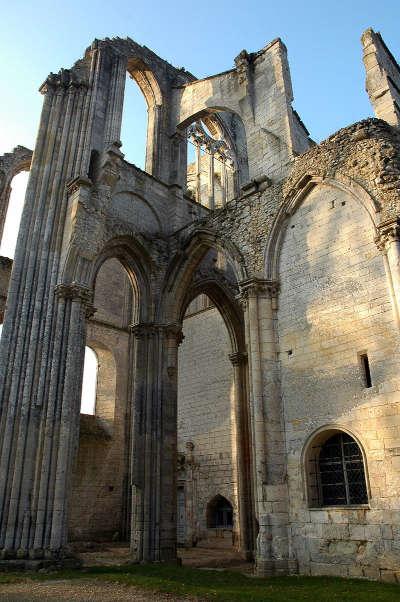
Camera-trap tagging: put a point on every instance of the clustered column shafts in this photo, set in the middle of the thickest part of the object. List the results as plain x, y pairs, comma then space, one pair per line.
211, 176
41, 355
259, 297
241, 453
153, 479
198, 172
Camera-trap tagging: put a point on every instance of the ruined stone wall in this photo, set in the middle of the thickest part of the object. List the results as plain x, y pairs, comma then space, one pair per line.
205, 381
334, 303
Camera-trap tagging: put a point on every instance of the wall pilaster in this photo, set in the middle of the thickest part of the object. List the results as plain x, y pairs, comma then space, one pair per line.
259, 298
388, 242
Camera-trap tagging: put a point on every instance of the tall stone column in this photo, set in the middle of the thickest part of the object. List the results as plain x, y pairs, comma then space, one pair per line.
388, 241
198, 172
42, 436
242, 455
154, 442
271, 494
211, 187
42, 336
41, 355
224, 183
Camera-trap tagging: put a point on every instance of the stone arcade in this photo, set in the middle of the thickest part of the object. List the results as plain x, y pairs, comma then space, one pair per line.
244, 309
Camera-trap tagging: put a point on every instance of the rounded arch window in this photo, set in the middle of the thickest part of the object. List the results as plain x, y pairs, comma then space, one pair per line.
89, 382
336, 474
219, 513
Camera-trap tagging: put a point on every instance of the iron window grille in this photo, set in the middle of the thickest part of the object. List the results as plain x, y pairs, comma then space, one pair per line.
339, 477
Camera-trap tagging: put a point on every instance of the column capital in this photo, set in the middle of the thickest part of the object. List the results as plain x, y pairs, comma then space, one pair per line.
254, 287
388, 232
238, 358
74, 290
143, 329
77, 292
174, 330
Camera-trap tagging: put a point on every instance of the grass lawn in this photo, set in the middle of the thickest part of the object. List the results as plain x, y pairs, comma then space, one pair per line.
226, 586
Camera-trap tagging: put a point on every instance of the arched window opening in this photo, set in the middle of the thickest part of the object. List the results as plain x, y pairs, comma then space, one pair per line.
336, 471
219, 513
134, 124
13, 216
211, 170
89, 382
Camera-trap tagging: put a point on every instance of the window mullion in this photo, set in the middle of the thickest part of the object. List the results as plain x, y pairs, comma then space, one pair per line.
346, 482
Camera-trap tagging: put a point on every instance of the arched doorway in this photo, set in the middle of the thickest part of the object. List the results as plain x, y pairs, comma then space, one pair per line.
219, 513
213, 422
206, 390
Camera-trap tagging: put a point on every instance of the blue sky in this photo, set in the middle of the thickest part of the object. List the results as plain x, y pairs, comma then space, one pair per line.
323, 41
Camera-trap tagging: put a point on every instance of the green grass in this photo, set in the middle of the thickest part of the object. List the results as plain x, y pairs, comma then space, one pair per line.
226, 586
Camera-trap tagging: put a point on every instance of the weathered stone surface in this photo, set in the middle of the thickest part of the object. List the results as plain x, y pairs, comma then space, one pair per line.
232, 304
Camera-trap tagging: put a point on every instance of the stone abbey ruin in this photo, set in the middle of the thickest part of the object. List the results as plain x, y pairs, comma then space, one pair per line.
243, 312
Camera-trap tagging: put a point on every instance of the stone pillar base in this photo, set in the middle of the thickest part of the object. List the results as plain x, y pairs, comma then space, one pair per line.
38, 564
273, 568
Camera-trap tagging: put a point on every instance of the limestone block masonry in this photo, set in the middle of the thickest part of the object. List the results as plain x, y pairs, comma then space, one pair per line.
243, 310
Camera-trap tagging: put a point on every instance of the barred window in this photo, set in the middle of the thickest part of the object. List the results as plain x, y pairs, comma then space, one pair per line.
336, 472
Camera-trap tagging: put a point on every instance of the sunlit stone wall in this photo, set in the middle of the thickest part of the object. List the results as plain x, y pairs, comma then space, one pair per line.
334, 304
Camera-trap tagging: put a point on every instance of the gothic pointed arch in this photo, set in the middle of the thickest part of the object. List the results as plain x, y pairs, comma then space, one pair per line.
297, 193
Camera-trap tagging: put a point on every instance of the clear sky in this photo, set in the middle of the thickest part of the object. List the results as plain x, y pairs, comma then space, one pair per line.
322, 37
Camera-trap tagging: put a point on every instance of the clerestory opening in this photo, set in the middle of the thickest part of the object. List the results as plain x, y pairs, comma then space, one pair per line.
211, 165
141, 117
134, 124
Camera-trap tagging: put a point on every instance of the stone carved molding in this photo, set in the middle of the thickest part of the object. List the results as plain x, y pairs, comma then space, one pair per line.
151, 329
77, 183
258, 287
110, 165
389, 232
254, 287
238, 358
64, 79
